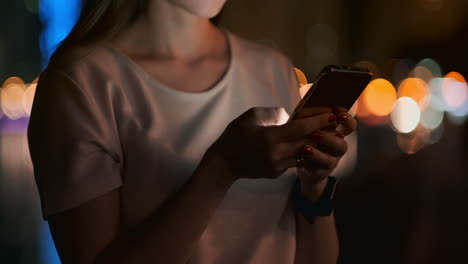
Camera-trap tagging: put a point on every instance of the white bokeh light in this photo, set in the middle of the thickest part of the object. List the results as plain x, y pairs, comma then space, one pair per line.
454, 93
405, 115
433, 115
28, 98
12, 101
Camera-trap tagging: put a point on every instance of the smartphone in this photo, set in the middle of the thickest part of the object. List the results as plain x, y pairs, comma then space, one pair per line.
335, 86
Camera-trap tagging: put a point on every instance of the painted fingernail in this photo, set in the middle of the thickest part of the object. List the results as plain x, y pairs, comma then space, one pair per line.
308, 150
316, 135
342, 117
332, 119
340, 135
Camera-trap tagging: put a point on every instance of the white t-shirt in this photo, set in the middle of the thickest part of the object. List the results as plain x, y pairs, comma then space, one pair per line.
100, 122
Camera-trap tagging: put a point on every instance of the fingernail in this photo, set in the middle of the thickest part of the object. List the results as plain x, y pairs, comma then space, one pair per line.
332, 119
308, 150
340, 135
316, 135
342, 117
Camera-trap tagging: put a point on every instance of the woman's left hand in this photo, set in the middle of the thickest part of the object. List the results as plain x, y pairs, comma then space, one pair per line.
323, 153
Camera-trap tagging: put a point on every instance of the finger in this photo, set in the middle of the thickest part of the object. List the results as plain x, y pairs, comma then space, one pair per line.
317, 160
304, 126
347, 123
312, 111
330, 142
338, 109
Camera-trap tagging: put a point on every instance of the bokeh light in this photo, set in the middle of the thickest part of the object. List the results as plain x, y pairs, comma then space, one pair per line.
454, 93
416, 89
433, 115
435, 135
28, 98
432, 65
12, 80
413, 142
405, 115
304, 89
12, 101
379, 97
455, 75
422, 73
301, 77
435, 88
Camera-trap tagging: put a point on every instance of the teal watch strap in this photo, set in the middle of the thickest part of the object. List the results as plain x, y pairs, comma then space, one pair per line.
309, 209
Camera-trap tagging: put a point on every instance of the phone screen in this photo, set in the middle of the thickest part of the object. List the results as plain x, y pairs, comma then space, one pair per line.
336, 86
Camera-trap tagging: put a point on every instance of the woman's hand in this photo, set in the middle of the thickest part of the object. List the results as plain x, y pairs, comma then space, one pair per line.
252, 146
323, 153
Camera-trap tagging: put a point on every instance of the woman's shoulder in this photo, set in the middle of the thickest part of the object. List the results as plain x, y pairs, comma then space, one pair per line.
85, 62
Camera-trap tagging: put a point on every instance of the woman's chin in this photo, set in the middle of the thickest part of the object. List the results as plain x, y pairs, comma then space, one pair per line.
208, 9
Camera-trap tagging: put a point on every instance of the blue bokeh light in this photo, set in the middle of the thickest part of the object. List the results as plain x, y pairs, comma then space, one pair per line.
58, 18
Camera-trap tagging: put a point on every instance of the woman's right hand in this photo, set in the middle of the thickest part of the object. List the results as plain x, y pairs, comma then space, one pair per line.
251, 149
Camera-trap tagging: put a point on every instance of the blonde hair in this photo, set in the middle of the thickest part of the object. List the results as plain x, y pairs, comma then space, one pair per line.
101, 20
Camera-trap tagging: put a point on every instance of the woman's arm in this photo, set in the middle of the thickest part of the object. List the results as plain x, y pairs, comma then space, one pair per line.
317, 242
92, 233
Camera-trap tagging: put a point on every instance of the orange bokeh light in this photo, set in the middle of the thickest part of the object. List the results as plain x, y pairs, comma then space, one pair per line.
416, 89
12, 80
301, 77
379, 97
457, 76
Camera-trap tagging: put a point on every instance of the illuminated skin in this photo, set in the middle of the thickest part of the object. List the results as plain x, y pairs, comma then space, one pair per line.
201, 8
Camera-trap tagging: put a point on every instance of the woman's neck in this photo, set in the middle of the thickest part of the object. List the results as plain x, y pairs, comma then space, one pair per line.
168, 32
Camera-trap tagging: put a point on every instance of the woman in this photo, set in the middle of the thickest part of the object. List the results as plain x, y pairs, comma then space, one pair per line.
152, 142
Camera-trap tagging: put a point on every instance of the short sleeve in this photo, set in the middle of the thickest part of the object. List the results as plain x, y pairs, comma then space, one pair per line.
73, 142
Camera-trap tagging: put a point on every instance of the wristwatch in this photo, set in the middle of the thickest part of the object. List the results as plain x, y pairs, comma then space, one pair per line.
310, 209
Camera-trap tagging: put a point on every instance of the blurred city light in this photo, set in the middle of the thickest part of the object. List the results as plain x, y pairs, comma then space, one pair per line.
379, 97
454, 93
416, 89
301, 77
412, 142
432, 65
304, 89
422, 73
455, 75
28, 98
12, 101
58, 18
12, 80
405, 115
433, 115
